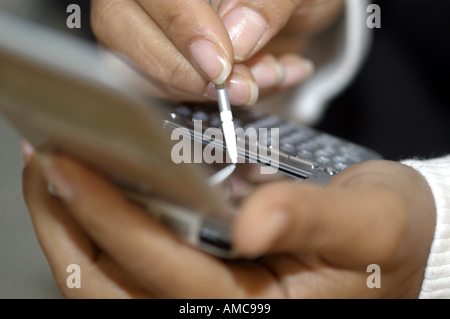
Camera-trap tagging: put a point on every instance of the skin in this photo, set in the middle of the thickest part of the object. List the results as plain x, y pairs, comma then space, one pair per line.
157, 35
294, 243
296, 240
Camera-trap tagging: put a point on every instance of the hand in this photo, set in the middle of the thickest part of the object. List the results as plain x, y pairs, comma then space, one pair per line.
184, 45
311, 242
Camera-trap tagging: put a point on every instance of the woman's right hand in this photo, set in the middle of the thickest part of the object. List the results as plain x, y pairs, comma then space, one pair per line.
186, 45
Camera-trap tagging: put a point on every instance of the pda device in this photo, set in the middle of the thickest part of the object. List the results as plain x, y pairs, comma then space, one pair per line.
58, 93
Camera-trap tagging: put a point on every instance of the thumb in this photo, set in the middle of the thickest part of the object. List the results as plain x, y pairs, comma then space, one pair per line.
347, 226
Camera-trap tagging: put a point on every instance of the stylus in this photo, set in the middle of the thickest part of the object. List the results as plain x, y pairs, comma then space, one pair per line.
227, 119
221, 175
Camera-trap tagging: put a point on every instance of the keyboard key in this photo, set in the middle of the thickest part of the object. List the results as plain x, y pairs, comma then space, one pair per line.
237, 123
310, 146
305, 154
200, 116
340, 167
215, 121
288, 148
339, 159
256, 114
331, 171
324, 152
323, 160
183, 111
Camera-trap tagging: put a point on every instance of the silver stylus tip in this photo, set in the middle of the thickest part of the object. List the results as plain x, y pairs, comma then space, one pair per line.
227, 121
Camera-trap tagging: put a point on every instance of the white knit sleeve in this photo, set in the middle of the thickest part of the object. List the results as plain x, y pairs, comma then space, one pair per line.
437, 274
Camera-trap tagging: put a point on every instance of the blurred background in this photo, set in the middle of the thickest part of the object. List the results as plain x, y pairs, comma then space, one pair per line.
24, 272
399, 105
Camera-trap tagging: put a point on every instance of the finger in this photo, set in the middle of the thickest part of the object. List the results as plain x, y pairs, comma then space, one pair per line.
354, 227
124, 26
241, 86
64, 243
198, 33
273, 74
267, 70
297, 70
313, 17
252, 23
146, 250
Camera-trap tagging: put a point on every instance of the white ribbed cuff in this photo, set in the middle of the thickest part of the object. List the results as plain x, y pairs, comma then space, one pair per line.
437, 274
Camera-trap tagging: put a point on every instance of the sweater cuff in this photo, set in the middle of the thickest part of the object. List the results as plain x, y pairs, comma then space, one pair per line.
436, 283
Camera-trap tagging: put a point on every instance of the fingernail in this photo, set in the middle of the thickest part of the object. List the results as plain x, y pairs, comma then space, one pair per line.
240, 96
246, 28
241, 90
297, 71
257, 241
268, 75
59, 181
27, 151
210, 61
276, 223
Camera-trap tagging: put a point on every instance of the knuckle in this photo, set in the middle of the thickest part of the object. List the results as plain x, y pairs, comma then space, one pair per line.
175, 16
177, 74
182, 76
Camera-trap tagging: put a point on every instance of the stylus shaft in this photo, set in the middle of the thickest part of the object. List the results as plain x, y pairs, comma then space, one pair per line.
226, 117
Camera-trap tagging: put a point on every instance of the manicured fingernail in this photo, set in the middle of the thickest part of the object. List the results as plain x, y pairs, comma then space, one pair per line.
297, 71
268, 74
210, 61
58, 180
241, 90
246, 28
27, 151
